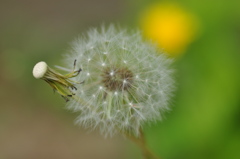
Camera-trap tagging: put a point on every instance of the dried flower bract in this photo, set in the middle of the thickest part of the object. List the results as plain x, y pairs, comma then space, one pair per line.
60, 83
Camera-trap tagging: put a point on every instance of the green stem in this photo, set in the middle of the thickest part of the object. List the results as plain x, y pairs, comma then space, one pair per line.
140, 141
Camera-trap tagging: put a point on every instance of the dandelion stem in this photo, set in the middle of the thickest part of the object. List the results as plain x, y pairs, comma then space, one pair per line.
140, 141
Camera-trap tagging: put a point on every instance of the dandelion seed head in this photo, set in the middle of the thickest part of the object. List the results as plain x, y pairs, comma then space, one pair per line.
127, 82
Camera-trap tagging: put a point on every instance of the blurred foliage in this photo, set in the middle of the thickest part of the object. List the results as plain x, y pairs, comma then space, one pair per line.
205, 116
204, 122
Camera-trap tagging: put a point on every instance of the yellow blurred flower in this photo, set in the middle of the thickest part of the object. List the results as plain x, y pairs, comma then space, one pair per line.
170, 26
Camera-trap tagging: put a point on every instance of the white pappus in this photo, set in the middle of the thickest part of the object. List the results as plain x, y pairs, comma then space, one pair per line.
127, 81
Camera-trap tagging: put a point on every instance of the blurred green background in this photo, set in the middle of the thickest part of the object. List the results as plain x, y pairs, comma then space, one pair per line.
205, 117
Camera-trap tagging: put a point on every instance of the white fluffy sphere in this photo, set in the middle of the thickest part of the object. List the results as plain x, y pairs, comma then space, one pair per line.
127, 81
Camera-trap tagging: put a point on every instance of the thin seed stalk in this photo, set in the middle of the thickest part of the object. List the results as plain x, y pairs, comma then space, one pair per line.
109, 107
82, 102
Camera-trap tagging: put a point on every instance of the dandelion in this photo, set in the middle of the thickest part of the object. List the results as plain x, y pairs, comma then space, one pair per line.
126, 81
169, 25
